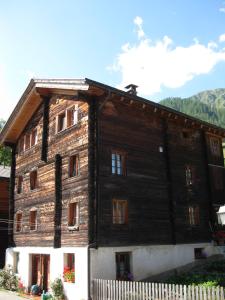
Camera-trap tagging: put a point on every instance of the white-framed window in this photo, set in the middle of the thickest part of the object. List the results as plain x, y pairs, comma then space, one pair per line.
118, 163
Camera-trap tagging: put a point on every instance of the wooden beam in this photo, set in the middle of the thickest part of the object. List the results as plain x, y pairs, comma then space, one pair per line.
166, 152
58, 201
12, 197
45, 131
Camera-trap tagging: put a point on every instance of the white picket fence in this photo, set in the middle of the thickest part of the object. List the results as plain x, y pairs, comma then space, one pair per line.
127, 290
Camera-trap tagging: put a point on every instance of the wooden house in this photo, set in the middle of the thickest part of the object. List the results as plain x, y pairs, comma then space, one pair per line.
105, 184
4, 211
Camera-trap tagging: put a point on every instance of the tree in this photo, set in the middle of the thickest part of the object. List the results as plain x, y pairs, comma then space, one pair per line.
5, 152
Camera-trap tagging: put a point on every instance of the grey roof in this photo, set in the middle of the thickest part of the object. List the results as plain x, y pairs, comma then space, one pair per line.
4, 171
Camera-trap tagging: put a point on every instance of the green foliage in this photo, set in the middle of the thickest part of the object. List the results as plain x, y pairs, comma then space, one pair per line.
57, 289
8, 280
208, 106
5, 152
212, 274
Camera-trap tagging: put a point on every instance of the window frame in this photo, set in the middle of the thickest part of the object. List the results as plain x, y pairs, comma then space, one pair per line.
73, 217
36, 186
119, 211
215, 150
75, 111
33, 225
19, 187
122, 162
194, 215
77, 165
19, 222
189, 175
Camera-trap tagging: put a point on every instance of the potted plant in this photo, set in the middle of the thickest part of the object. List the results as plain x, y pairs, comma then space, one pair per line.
68, 275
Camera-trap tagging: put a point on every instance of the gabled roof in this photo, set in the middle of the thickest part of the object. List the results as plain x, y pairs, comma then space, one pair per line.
4, 171
37, 89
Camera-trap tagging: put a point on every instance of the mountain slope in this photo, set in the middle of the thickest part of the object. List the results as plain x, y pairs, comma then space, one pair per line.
208, 106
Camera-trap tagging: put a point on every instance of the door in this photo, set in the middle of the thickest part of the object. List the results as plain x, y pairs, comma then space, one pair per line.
41, 270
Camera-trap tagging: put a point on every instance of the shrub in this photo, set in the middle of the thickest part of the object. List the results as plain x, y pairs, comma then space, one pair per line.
8, 279
57, 289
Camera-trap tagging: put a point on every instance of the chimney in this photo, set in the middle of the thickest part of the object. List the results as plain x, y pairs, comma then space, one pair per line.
132, 89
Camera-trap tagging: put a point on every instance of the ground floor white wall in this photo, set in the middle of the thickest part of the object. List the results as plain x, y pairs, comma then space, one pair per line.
146, 261
73, 291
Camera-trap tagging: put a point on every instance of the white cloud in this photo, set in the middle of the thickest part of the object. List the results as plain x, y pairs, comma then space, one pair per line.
222, 38
222, 9
153, 65
138, 22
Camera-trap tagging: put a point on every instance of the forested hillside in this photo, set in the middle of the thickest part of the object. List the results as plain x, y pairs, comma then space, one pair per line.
208, 106
5, 152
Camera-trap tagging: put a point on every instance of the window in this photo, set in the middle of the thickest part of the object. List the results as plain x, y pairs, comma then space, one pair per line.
215, 146
19, 222
21, 145
72, 116
199, 253
218, 177
19, 184
186, 134
27, 141
193, 212
189, 174
33, 137
33, 180
16, 258
123, 266
118, 163
69, 267
73, 166
61, 121
120, 212
73, 214
33, 220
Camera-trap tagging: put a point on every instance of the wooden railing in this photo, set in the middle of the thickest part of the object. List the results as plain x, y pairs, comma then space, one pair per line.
127, 290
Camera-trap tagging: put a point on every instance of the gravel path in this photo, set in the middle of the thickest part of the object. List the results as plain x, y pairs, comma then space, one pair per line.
9, 296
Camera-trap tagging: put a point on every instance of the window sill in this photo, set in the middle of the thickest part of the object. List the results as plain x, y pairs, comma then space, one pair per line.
73, 228
67, 128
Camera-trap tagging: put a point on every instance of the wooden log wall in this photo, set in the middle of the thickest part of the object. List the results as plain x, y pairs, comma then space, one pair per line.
139, 132
4, 215
71, 141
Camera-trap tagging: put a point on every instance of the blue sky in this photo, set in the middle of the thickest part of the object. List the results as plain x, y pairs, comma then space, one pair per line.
168, 48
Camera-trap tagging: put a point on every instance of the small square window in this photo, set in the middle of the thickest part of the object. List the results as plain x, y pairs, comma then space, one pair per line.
61, 121
73, 214
33, 137
19, 222
118, 163
33, 180
73, 166
69, 267
194, 218
120, 212
72, 116
19, 184
33, 220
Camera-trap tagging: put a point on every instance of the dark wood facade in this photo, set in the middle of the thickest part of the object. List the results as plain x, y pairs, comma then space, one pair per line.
4, 215
172, 172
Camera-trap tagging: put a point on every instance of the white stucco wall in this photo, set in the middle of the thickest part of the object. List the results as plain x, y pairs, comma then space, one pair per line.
145, 260
73, 291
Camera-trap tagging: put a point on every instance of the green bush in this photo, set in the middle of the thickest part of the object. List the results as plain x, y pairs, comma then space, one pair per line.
8, 280
57, 289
